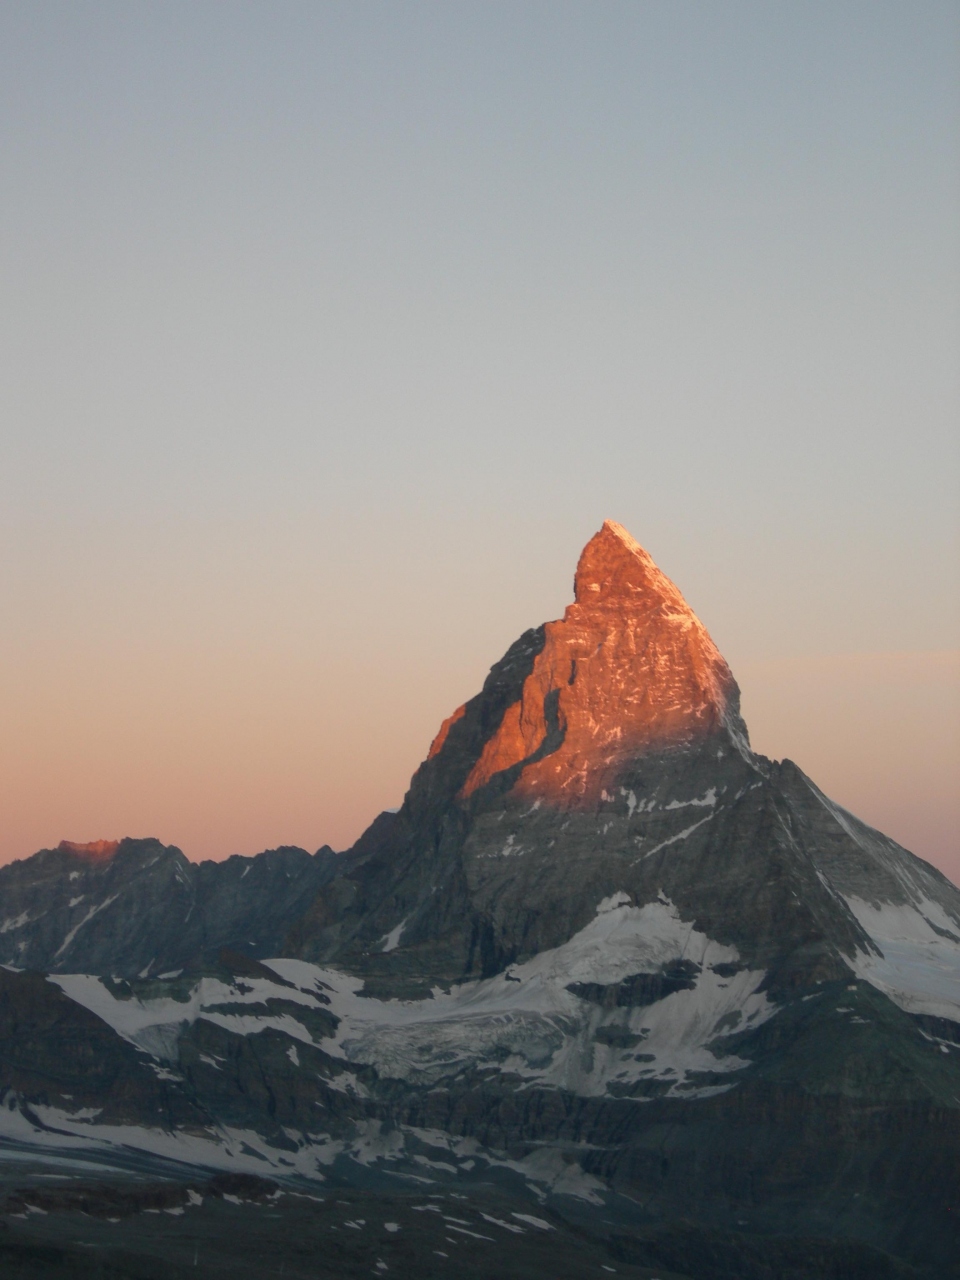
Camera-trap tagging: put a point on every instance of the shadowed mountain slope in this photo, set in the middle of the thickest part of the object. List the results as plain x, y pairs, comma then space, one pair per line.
134, 907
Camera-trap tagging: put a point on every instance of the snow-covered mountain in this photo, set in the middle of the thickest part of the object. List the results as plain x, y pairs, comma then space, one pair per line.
603, 948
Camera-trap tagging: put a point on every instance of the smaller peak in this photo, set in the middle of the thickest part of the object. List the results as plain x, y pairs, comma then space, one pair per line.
92, 849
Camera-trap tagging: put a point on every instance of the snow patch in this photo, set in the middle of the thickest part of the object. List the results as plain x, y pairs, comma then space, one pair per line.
709, 799
155, 1025
919, 964
681, 835
620, 899
533, 1222
86, 919
15, 922
391, 940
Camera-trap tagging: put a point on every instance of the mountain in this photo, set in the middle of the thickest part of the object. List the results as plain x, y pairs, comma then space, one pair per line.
137, 907
605, 959
606, 756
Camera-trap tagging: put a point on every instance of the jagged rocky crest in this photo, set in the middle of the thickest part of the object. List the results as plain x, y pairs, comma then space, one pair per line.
627, 671
140, 908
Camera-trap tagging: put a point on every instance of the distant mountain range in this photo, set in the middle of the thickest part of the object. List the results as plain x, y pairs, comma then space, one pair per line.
137, 908
605, 956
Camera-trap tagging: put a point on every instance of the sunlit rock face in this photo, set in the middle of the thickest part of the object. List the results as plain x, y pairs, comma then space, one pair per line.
92, 849
629, 668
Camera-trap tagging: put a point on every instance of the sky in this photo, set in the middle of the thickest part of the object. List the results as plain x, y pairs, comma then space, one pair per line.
332, 332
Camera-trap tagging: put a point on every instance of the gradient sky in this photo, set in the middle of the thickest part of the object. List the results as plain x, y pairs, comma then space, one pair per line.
332, 331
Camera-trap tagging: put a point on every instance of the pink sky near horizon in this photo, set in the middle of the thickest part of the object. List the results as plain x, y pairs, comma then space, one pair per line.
221, 749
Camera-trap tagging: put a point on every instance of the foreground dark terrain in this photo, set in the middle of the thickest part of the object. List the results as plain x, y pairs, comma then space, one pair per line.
610, 993
239, 1225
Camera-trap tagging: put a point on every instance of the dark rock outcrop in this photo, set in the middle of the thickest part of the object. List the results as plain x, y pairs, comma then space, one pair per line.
134, 907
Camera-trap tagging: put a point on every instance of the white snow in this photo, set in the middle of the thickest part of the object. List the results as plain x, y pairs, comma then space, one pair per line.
511, 849
156, 1024
532, 1028
499, 1222
620, 899
681, 835
240, 1150
919, 968
86, 919
709, 799
15, 922
59, 1134
391, 940
534, 1222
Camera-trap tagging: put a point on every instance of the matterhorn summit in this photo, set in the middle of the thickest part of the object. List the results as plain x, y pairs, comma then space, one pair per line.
628, 669
605, 956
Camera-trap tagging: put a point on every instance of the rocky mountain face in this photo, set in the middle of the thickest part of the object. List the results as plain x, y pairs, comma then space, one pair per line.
605, 957
137, 907
606, 755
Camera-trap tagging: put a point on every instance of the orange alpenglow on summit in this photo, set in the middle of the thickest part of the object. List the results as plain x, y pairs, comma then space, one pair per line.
629, 668
93, 849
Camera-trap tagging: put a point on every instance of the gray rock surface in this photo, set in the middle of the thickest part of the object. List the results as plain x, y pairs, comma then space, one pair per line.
146, 909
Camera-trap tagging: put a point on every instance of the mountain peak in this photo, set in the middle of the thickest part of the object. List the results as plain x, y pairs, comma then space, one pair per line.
614, 568
92, 849
629, 669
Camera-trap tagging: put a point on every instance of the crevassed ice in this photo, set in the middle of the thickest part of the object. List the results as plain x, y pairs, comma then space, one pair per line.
529, 1025
524, 1023
155, 1025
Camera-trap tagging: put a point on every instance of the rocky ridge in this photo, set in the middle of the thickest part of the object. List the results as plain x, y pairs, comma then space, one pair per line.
138, 907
